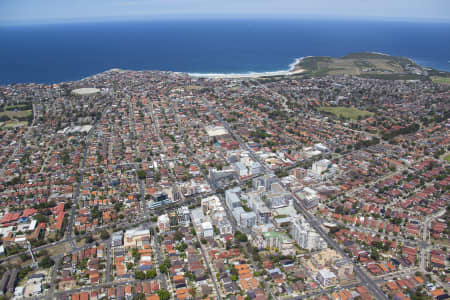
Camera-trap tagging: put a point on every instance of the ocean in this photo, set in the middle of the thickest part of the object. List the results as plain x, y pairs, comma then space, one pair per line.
66, 52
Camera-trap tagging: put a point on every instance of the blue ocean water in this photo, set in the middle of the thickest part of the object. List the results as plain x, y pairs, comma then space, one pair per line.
64, 52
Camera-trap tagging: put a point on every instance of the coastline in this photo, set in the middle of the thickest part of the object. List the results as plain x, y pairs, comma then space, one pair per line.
291, 71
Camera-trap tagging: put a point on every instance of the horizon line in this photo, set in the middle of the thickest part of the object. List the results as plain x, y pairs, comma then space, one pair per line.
221, 18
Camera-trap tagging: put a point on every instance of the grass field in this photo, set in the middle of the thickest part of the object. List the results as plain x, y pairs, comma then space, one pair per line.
447, 157
355, 64
17, 114
441, 80
18, 107
346, 112
11, 118
11, 124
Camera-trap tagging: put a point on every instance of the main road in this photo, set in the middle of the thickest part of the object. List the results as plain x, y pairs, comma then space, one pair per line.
80, 181
364, 278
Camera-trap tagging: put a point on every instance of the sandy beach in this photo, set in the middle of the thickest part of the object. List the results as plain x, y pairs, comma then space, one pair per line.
293, 70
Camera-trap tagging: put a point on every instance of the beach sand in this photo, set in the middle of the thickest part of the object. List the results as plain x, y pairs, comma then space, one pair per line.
250, 75
293, 70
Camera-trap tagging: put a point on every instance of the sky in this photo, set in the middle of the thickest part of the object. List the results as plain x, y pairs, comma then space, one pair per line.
49, 11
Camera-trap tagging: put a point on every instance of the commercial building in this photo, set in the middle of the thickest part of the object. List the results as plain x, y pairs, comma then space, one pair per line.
117, 239
232, 198
326, 277
163, 223
309, 197
135, 237
305, 236
212, 207
183, 216
245, 220
207, 230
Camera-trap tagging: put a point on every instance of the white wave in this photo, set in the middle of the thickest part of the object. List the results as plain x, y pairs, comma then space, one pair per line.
252, 74
380, 53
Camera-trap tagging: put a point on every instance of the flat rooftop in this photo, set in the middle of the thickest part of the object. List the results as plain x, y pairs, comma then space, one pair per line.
85, 91
216, 130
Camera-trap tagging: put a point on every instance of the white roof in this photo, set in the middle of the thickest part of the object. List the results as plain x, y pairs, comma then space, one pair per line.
32, 225
163, 218
137, 232
85, 91
216, 130
19, 291
20, 239
206, 225
309, 190
146, 258
326, 274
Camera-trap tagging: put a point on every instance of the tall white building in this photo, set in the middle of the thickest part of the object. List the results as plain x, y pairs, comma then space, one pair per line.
245, 220
309, 197
264, 181
163, 223
274, 194
305, 236
184, 215
320, 166
326, 277
232, 198
261, 210
321, 148
207, 230
323, 169
240, 169
212, 207
248, 220
255, 168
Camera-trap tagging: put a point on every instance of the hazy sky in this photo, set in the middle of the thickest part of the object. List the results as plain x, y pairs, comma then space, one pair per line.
37, 11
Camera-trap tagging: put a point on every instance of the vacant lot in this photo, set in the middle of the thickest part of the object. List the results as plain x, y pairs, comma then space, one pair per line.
346, 112
441, 80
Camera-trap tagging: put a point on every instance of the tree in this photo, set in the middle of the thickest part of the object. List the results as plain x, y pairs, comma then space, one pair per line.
150, 274
23, 272
89, 239
104, 235
46, 262
95, 213
375, 255
41, 218
24, 257
139, 275
164, 267
181, 247
141, 174
136, 255
239, 236
140, 296
178, 236
163, 295
117, 206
